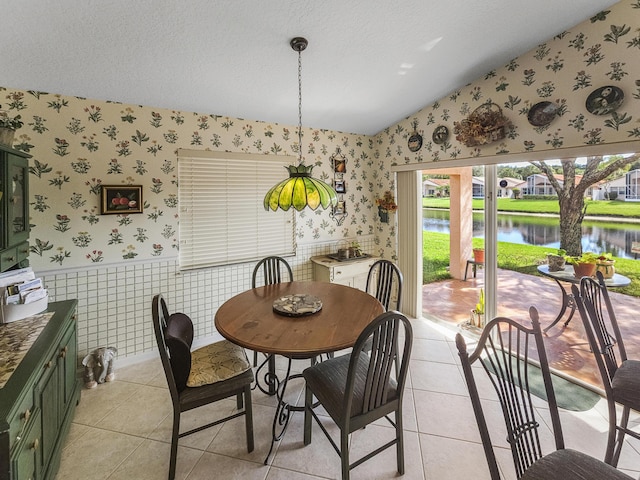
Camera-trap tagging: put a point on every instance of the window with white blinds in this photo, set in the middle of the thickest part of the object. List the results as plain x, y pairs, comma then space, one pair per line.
222, 217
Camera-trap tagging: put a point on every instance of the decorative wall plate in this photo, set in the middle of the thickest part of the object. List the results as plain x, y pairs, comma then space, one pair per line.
542, 113
604, 100
415, 142
297, 305
440, 134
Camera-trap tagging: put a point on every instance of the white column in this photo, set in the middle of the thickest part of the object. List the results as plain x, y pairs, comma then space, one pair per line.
410, 240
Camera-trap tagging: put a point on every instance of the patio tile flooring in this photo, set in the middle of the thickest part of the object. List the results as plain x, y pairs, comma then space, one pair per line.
449, 302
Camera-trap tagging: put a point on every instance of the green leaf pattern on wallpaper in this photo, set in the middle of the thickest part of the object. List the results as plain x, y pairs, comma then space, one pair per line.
78, 145
602, 51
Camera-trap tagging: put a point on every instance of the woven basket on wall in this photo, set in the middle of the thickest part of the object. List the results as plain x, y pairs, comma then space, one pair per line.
486, 124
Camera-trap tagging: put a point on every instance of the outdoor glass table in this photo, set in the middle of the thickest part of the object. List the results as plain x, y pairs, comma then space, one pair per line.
249, 320
567, 276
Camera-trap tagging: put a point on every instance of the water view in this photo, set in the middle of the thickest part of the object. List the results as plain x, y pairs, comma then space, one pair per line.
545, 231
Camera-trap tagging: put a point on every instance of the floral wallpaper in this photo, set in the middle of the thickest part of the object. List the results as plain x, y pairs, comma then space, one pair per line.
79, 145
603, 51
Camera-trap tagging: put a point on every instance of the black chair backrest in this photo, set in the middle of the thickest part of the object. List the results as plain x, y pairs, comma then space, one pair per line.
388, 280
174, 336
273, 271
607, 340
380, 339
503, 350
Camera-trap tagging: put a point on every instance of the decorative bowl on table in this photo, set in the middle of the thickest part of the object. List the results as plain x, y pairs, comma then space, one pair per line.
297, 305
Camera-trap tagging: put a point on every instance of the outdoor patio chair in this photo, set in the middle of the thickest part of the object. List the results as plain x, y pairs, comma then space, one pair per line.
384, 282
358, 388
620, 376
503, 351
211, 373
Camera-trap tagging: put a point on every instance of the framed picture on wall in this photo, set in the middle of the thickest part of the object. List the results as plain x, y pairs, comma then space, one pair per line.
339, 186
339, 164
121, 199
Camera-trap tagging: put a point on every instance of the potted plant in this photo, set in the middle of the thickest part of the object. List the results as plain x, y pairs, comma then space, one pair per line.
556, 261
385, 205
355, 250
583, 265
477, 314
478, 254
8, 127
604, 264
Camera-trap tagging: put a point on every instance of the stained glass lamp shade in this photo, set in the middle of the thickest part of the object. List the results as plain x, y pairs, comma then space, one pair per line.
300, 190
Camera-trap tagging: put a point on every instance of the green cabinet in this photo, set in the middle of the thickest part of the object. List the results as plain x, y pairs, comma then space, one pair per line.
38, 401
14, 208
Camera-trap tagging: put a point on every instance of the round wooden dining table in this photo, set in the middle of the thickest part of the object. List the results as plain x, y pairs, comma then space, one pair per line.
250, 320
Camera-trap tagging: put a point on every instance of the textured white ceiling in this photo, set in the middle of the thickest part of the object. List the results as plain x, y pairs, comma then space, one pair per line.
369, 63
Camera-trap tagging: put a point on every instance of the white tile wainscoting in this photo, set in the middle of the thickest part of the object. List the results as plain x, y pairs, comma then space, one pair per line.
114, 301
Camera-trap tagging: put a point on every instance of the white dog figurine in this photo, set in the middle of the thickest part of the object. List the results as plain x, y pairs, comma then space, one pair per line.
98, 366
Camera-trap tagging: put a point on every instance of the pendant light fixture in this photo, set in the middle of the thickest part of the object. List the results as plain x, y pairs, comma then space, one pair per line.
300, 190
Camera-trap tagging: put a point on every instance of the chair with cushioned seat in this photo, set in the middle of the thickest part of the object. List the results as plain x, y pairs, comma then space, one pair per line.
384, 282
358, 388
211, 373
620, 376
504, 353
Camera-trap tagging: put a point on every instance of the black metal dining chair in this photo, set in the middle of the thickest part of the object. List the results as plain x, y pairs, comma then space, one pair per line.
504, 351
358, 388
271, 270
268, 271
384, 282
211, 373
620, 376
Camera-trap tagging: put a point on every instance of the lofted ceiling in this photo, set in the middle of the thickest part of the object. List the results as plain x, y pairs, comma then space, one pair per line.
369, 63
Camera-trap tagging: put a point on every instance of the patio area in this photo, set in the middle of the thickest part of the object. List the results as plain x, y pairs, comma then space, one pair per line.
449, 302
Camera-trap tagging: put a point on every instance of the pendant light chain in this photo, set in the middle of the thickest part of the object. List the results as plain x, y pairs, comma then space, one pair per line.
300, 190
300, 106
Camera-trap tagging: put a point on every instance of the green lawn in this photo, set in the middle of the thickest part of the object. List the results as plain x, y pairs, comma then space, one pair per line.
511, 256
596, 208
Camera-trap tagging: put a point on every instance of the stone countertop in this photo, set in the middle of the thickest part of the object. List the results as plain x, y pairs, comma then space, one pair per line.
16, 338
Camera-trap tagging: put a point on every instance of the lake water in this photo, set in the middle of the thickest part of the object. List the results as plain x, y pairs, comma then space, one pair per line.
545, 231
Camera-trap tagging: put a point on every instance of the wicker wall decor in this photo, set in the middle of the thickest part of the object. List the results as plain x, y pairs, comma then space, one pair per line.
484, 125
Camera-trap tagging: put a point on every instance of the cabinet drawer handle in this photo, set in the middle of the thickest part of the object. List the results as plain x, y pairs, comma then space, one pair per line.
48, 364
10, 259
36, 444
339, 272
63, 352
25, 417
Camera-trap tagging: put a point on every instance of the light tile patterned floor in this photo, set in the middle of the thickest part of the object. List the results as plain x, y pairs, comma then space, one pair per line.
122, 429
